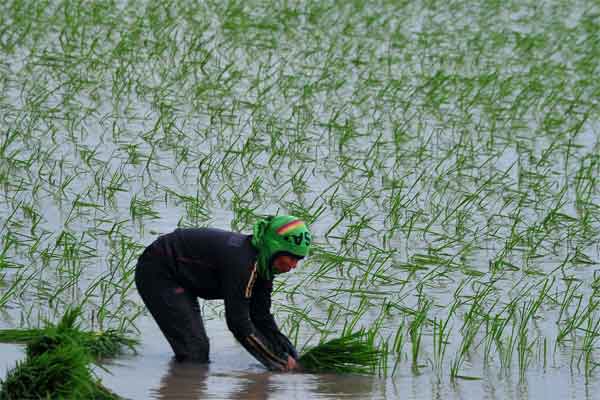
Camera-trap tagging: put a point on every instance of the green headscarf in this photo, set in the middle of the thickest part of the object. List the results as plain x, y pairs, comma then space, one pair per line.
277, 234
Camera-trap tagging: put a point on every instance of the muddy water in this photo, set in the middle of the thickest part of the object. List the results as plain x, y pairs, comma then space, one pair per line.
234, 374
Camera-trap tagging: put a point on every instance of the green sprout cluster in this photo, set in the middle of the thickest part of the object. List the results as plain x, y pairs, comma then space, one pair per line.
58, 361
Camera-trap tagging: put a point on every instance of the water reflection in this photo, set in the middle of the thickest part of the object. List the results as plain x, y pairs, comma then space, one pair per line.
346, 386
191, 381
253, 386
195, 381
183, 381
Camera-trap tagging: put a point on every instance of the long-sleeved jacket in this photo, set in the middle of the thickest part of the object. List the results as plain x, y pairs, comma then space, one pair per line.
217, 264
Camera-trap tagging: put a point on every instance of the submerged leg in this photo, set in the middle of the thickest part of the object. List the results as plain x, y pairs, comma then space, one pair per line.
175, 310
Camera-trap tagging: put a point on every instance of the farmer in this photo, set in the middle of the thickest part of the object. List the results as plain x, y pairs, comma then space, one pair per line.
209, 263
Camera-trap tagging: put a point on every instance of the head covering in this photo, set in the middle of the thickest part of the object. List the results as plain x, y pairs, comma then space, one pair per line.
279, 234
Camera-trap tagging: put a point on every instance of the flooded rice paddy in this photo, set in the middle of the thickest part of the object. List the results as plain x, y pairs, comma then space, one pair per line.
446, 156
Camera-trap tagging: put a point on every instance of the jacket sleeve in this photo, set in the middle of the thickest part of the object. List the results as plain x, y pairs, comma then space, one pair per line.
260, 313
238, 294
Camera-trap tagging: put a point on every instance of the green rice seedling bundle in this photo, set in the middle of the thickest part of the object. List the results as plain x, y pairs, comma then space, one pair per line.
350, 353
109, 343
58, 359
61, 373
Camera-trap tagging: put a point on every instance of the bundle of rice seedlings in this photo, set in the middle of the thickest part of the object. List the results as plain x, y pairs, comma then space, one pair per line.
58, 361
350, 353
109, 343
61, 373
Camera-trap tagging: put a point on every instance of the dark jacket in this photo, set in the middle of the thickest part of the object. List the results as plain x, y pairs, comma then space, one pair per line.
217, 264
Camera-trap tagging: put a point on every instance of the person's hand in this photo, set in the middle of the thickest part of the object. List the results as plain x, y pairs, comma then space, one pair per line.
293, 365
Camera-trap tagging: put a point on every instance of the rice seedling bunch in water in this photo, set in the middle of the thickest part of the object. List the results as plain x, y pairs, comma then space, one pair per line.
109, 343
350, 353
106, 344
97, 345
63, 372
58, 361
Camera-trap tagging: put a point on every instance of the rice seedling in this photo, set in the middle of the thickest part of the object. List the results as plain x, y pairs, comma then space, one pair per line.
62, 372
398, 346
441, 336
415, 330
350, 353
97, 344
58, 358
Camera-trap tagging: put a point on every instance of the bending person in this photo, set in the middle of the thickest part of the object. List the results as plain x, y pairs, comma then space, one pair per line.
210, 263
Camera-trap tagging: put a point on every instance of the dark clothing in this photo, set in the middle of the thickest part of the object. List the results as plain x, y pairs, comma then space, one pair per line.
211, 264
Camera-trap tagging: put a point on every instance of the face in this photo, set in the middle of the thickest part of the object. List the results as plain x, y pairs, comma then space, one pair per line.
284, 263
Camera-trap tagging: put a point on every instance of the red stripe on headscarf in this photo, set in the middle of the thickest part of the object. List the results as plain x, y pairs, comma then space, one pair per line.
289, 226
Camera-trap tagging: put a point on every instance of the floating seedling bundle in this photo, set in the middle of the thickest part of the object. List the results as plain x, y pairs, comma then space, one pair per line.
58, 361
350, 353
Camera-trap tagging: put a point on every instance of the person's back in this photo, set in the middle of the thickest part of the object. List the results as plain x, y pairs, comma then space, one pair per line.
207, 261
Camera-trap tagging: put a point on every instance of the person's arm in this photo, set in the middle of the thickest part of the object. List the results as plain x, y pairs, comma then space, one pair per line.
238, 294
260, 313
